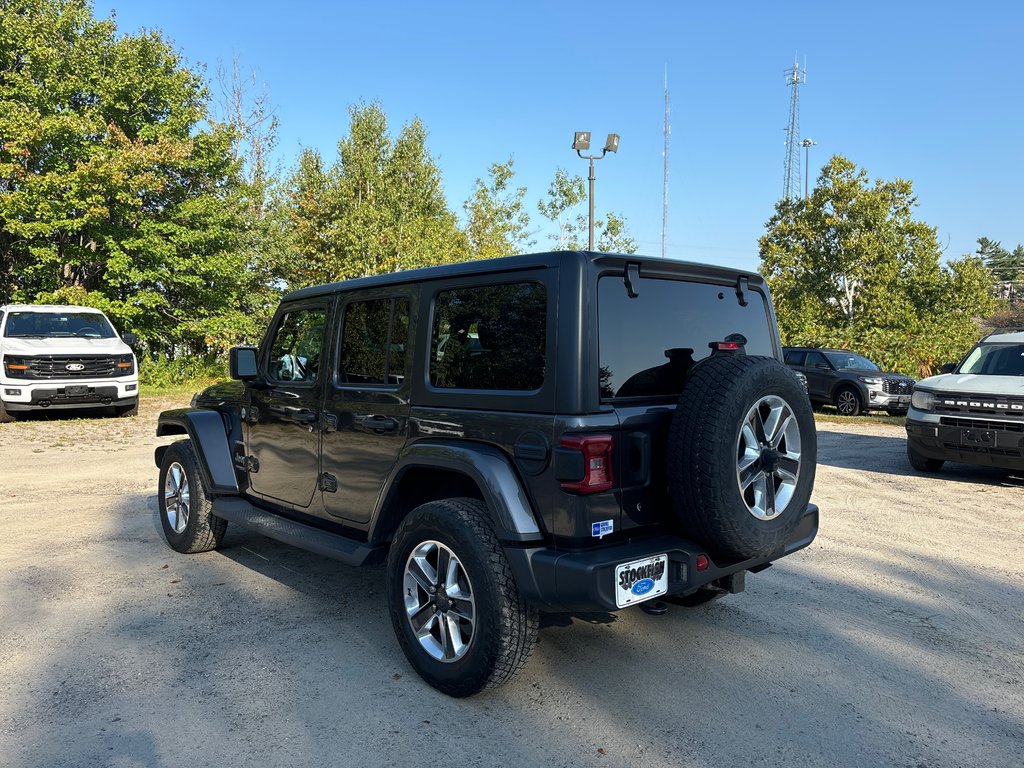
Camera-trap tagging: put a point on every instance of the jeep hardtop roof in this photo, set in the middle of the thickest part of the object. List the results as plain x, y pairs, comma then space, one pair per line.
526, 261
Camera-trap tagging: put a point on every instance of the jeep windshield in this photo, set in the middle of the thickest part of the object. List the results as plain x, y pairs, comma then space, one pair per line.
848, 361
58, 325
995, 360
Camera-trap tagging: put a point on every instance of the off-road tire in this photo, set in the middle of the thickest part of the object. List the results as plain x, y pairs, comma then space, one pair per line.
703, 455
201, 531
922, 463
505, 626
847, 401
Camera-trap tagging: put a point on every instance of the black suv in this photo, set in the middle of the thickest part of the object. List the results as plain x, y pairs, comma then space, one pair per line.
561, 432
849, 381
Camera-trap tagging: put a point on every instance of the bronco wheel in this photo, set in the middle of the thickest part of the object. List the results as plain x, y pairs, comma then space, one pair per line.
453, 601
185, 509
741, 455
847, 401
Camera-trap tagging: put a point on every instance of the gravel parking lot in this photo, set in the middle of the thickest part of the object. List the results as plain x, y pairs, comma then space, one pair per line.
894, 640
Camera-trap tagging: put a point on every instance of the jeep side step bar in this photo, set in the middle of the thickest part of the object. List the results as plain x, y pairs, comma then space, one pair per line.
238, 510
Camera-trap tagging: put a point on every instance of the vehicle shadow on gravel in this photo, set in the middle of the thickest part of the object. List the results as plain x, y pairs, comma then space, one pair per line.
279, 657
888, 455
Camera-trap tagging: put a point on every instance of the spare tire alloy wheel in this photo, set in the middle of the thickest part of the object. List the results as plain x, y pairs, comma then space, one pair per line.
741, 456
768, 468
439, 601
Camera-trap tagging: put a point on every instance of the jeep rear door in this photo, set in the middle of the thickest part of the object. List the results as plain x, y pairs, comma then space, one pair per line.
648, 342
366, 407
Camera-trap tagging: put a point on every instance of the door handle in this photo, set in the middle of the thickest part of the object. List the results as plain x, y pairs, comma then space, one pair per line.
376, 423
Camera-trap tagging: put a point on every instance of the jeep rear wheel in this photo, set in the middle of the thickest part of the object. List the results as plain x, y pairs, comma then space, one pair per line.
741, 455
453, 601
185, 509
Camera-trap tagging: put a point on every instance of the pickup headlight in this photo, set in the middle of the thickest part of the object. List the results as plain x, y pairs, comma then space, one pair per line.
16, 367
923, 401
125, 365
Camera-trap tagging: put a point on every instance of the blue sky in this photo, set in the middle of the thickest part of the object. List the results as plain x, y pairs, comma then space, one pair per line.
928, 91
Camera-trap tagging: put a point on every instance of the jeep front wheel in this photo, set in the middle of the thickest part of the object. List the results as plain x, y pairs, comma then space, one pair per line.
741, 455
185, 508
453, 601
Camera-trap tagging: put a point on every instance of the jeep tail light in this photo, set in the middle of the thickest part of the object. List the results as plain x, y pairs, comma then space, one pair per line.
702, 562
596, 452
726, 346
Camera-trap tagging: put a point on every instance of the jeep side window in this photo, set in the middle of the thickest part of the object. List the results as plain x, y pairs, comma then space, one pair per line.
373, 342
295, 351
489, 337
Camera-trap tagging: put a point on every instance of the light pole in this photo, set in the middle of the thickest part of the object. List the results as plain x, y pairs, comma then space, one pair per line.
581, 143
807, 144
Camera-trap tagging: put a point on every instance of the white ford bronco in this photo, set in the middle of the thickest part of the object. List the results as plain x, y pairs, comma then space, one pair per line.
56, 357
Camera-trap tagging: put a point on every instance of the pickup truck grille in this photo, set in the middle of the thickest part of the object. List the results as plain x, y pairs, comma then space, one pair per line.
897, 386
69, 367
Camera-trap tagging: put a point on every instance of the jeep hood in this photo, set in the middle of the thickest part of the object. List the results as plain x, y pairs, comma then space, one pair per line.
971, 383
67, 345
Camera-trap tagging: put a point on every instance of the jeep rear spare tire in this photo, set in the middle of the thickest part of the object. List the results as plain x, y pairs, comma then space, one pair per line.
741, 455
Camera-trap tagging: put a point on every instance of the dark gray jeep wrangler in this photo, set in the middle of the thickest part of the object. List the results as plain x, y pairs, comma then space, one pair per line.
558, 432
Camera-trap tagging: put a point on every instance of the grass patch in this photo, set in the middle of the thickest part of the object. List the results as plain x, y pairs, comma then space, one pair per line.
833, 417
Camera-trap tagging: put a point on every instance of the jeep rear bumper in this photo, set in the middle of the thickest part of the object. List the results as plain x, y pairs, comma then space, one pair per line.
585, 581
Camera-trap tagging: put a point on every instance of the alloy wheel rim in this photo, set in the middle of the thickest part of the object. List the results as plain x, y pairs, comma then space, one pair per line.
768, 457
176, 497
847, 402
439, 602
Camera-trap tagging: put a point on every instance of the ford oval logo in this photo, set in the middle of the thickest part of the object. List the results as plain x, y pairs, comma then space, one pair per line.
74, 367
642, 587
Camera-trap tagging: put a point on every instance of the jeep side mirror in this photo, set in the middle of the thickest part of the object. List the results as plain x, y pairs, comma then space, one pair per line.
242, 363
948, 368
130, 339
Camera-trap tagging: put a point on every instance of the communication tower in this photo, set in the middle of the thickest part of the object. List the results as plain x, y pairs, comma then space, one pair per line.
795, 77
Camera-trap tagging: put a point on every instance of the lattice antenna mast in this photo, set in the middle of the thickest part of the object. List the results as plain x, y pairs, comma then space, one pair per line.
791, 186
664, 191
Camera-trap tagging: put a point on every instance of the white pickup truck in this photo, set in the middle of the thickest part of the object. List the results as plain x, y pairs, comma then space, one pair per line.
55, 357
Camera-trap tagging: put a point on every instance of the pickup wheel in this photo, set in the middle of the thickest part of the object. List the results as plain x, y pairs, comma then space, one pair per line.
923, 463
741, 455
847, 401
6, 417
128, 410
453, 601
185, 509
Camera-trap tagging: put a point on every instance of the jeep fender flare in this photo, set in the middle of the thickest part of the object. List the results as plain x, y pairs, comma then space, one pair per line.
508, 506
206, 430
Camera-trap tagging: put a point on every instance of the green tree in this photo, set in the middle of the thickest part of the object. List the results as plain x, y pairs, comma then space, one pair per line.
851, 267
563, 208
496, 222
115, 191
378, 208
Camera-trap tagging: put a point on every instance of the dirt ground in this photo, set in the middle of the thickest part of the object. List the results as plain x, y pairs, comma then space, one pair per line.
894, 640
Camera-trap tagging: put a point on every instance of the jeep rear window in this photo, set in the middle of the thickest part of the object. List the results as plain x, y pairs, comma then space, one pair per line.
489, 337
648, 344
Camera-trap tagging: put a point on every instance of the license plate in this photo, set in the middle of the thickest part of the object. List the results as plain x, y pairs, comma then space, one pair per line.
976, 436
641, 580
76, 391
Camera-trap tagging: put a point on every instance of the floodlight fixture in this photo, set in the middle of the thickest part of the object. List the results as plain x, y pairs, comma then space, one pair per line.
611, 144
581, 142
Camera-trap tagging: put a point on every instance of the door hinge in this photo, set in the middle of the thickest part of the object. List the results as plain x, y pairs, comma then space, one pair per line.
328, 483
